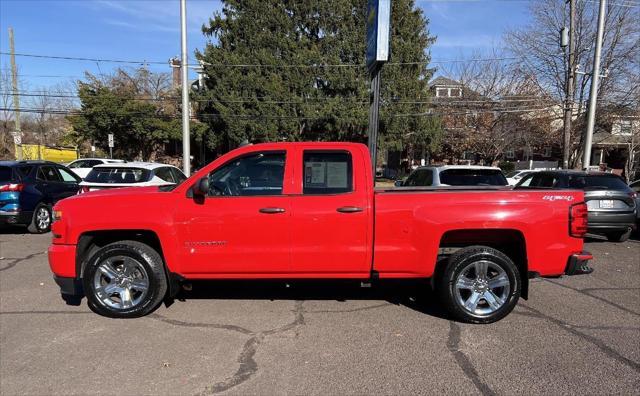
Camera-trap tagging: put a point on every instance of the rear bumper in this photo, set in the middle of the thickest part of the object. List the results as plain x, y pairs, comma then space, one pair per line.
599, 221
17, 218
577, 262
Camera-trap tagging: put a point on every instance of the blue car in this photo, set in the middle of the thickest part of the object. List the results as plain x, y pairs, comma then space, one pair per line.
29, 189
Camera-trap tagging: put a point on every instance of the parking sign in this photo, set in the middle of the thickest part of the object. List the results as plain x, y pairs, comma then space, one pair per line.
110, 140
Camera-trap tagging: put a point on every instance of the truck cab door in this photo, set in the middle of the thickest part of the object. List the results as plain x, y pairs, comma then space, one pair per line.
332, 216
243, 225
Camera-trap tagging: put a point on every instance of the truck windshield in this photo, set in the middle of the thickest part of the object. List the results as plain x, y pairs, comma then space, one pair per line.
473, 177
117, 175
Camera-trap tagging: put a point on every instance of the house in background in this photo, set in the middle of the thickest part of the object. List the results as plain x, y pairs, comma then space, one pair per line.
616, 143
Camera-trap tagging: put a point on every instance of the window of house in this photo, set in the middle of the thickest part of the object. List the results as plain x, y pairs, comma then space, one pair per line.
327, 172
625, 127
509, 154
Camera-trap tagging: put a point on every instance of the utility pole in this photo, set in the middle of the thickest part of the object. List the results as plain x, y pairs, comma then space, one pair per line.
16, 98
186, 143
593, 94
569, 104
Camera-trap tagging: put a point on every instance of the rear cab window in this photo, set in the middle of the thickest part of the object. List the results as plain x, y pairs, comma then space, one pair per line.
473, 177
118, 175
327, 172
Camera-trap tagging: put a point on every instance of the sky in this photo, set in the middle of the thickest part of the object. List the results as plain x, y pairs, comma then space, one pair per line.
149, 30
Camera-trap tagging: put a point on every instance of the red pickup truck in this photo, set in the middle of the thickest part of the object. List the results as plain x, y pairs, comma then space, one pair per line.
310, 210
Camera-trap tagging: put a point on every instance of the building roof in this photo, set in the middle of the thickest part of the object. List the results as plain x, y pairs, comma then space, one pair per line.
444, 81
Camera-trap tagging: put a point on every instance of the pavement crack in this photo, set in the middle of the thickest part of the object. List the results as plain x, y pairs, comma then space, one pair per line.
247, 367
354, 310
15, 261
247, 364
453, 344
586, 292
175, 322
607, 350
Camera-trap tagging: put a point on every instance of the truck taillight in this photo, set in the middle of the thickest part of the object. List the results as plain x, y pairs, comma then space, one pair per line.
12, 187
578, 220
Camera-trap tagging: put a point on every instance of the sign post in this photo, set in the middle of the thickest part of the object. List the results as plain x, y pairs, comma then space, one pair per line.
378, 25
110, 136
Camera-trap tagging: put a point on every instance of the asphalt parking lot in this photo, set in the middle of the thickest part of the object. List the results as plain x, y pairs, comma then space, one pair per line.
573, 336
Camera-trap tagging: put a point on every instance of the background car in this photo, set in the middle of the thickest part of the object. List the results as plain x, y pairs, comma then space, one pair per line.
514, 177
131, 174
610, 202
29, 189
83, 166
635, 186
454, 175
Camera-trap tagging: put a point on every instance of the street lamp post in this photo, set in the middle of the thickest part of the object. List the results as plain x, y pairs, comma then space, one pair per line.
186, 143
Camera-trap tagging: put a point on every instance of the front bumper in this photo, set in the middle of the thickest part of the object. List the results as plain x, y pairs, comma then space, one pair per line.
62, 260
578, 264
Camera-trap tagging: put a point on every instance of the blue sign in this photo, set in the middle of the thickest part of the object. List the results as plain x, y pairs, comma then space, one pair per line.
378, 25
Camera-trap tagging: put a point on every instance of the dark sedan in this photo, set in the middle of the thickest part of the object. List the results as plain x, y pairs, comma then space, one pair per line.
611, 203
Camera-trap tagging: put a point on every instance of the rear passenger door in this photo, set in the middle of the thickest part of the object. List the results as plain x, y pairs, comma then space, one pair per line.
50, 184
69, 182
330, 215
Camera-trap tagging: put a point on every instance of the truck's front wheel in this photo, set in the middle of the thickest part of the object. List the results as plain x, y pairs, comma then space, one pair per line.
125, 280
479, 285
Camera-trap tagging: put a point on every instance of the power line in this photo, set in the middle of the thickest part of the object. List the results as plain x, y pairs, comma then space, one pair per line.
260, 65
86, 59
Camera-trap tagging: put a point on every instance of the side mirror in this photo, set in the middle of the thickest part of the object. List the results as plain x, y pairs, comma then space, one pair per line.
201, 188
398, 183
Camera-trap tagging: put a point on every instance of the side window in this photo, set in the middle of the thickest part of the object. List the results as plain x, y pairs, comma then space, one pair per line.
24, 171
254, 174
420, 177
66, 176
49, 173
92, 163
327, 172
540, 180
178, 176
165, 174
76, 164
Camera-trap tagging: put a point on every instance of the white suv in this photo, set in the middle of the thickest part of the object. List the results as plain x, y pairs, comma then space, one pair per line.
454, 175
82, 167
131, 174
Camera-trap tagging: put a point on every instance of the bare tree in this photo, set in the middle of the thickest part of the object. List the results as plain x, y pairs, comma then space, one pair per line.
536, 46
6, 114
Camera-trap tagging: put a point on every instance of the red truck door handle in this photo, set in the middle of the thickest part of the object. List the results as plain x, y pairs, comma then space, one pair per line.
272, 210
349, 209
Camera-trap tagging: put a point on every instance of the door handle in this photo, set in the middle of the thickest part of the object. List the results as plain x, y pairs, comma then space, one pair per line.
272, 210
349, 209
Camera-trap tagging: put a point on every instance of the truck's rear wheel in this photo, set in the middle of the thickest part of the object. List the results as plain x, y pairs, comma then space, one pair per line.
479, 285
125, 280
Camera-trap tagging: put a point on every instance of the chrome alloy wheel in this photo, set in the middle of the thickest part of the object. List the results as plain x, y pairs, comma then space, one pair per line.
43, 218
482, 288
121, 282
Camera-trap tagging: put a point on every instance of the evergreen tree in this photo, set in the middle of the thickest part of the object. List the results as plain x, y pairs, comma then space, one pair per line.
294, 70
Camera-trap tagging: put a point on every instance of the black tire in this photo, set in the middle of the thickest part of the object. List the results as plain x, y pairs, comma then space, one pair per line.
462, 260
152, 267
619, 236
37, 226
